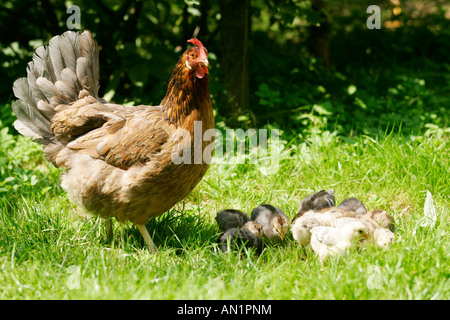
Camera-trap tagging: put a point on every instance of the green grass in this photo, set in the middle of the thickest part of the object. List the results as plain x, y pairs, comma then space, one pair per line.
49, 251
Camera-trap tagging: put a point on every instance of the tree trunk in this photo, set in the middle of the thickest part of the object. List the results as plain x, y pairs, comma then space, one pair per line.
320, 47
234, 31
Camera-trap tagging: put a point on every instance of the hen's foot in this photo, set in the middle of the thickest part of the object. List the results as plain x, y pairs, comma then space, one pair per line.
150, 244
109, 229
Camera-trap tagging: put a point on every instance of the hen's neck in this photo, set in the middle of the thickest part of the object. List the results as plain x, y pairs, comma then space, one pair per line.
185, 94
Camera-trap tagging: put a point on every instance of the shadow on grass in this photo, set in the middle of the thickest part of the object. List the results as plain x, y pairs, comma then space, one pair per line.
177, 230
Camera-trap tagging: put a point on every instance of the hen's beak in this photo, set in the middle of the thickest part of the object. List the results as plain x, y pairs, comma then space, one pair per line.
205, 64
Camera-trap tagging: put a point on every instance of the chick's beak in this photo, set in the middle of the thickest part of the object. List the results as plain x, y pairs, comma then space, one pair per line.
364, 239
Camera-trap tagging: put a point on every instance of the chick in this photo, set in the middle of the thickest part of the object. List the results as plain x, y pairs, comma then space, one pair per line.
235, 238
231, 218
254, 228
353, 204
272, 220
381, 236
382, 218
317, 201
340, 222
301, 227
370, 224
336, 241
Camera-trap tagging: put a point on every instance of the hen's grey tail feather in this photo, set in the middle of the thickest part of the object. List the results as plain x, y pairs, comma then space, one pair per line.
61, 73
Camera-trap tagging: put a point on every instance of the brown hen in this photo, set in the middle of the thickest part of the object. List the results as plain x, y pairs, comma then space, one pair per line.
121, 161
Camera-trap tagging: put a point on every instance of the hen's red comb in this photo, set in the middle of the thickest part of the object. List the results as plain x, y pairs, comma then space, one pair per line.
196, 42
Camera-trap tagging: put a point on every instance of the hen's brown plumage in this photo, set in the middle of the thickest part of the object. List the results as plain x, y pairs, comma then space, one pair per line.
118, 158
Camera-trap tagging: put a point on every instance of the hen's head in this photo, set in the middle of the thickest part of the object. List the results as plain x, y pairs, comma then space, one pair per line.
197, 58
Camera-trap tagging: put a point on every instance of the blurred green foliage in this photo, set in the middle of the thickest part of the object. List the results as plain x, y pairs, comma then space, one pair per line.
19, 173
399, 74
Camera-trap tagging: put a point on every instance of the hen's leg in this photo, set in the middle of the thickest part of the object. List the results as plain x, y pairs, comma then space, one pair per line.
109, 229
150, 244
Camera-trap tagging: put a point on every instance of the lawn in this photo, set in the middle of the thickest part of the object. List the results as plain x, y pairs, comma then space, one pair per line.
49, 249
372, 123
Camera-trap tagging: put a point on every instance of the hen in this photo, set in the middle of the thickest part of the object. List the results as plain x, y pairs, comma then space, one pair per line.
118, 159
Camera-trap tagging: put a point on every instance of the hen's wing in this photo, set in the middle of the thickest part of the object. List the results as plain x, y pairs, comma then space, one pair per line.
59, 107
122, 136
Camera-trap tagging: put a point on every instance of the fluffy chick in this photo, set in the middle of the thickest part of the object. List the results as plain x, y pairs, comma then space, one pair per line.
382, 218
353, 204
333, 241
235, 238
316, 201
254, 228
382, 237
273, 221
301, 227
231, 218
340, 222
370, 224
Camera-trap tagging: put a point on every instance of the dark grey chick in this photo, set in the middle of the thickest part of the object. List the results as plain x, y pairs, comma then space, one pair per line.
316, 201
353, 204
319, 200
272, 220
235, 238
231, 218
